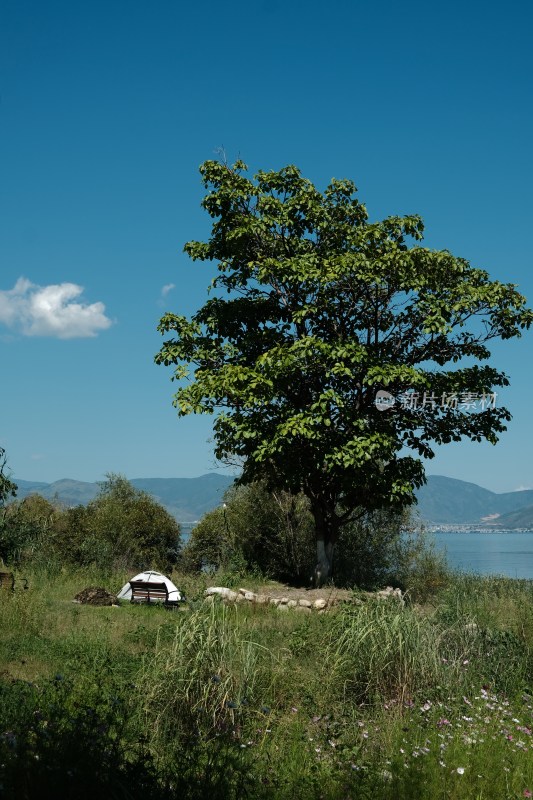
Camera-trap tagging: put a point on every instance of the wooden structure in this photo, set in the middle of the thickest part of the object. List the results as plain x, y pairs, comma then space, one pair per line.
147, 593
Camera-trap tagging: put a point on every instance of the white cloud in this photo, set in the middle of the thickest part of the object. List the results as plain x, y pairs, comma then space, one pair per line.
51, 311
167, 288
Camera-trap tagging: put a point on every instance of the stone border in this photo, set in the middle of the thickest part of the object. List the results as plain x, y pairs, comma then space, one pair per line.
321, 604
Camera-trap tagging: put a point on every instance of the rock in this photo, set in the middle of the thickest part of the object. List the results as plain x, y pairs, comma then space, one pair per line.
274, 601
292, 603
282, 607
284, 601
389, 593
262, 599
251, 597
304, 603
303, 609
320, 604
96, 596
226, 594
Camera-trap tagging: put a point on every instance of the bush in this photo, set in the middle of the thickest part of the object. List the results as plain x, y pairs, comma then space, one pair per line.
273, 533
122, 527
25, 528
256, 530
59, 740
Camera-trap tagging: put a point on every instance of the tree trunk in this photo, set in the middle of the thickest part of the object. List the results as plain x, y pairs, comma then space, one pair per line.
324, 565
326, 527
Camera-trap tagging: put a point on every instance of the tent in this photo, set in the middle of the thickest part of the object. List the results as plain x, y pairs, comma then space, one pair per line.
151, 577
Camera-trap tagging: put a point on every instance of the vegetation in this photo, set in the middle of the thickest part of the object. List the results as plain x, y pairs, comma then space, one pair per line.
314, 311
122, 526
373, 699
272, 533
7, 487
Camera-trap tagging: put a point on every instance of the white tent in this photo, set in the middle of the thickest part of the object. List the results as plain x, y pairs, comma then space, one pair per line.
151, 577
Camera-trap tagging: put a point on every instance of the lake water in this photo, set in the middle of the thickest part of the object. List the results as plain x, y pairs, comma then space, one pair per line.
507, 553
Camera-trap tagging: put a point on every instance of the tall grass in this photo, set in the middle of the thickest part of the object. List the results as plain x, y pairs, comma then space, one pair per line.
211, 668
369, 700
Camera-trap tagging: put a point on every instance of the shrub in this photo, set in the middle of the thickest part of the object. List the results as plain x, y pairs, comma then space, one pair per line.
256, 530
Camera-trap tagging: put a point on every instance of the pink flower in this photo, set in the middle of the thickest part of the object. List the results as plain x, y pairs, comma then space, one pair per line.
528, 793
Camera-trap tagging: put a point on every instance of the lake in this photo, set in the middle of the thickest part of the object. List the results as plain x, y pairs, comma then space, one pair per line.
506, 553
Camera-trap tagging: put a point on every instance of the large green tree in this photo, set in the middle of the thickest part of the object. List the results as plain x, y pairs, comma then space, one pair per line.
313, 311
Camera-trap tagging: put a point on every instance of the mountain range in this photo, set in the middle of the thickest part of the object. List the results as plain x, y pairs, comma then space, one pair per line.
442, 501
187, 499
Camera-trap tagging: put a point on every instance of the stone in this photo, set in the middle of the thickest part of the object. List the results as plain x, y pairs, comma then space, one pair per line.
282, 607
303, 609
389, 593
226, 594
304, 603
320, 604
274, 601
292, 603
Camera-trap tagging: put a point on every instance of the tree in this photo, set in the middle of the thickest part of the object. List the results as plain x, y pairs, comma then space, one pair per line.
131, 527
315, 310
7, 487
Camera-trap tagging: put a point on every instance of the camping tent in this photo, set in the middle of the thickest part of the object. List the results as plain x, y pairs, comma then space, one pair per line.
151, 577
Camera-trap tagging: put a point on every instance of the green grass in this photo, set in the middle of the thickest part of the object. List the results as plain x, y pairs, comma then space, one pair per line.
370, 700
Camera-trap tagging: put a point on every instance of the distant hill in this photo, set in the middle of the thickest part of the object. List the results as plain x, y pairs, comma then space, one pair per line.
187, 499
449, 501
522, 518
442, 501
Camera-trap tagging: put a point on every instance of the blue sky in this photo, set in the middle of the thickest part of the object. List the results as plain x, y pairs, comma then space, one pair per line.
106, 112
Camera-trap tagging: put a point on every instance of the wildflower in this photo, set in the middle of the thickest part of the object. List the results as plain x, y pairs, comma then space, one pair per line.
527, 793
460, 770
467, 701
426, 706
294, 710
442, 722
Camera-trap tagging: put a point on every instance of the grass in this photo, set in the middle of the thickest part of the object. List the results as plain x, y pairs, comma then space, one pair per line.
370, 700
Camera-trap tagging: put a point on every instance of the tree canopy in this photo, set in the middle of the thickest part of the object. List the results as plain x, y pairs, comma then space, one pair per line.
315, 312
